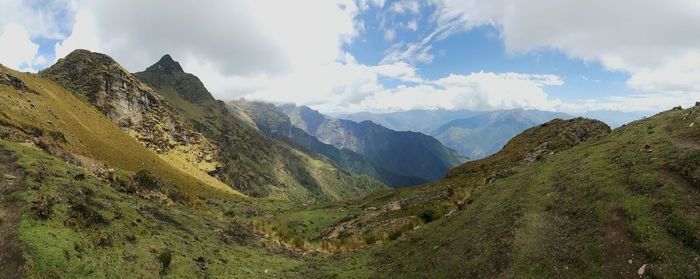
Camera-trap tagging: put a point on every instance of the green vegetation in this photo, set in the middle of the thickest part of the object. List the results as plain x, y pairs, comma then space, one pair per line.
95, 230
564, 199
586, 204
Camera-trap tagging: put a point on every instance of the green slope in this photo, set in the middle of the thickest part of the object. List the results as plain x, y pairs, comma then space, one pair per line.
589, 203
585, 204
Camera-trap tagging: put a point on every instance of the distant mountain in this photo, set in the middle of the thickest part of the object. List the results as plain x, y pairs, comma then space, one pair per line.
403, 153
424, 121
274, 123
474, 134
617, 118
486, 133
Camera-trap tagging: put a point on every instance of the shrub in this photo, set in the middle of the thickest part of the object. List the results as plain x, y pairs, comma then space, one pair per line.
427, 215
165, 258
146, 180
370, 238
694, 156
230, 213
43, 207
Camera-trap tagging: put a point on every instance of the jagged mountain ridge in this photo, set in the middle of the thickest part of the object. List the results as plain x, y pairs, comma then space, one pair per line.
404, 153
271, 121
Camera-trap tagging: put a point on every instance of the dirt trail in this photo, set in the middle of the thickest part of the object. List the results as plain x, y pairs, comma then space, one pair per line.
11, 253
618, 248
686, 144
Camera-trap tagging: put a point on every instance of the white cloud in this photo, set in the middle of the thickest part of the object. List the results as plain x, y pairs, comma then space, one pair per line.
266, 50
83, 36
366, 4
17, 51
405, 6
411, 53
49, 19
680, 74
476, 91
389, 34
411, 25
651, 40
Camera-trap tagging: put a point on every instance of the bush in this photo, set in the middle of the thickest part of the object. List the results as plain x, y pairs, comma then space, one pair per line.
427, 215
230, 213
43, 207
165, 258
694, 156
370, 238
146, 180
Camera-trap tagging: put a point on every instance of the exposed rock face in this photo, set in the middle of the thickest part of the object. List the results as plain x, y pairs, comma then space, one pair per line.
12, 81
133, 106
119, 96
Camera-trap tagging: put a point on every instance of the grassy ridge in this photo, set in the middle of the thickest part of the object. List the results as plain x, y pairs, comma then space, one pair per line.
603, 208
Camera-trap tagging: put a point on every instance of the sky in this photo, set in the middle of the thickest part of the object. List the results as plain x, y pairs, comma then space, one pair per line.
383, 56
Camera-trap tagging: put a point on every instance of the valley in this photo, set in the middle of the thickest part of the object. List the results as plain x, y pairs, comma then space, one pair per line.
111, 174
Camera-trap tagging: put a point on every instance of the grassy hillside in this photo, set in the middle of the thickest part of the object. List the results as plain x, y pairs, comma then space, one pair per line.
74, 225
45, 114
568, 198
565, 199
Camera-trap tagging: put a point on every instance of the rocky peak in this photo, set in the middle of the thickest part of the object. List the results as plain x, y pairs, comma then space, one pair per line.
133, 106
166, 65
168, 73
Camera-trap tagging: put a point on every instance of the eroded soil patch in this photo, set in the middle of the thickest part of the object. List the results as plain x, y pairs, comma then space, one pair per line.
12, 262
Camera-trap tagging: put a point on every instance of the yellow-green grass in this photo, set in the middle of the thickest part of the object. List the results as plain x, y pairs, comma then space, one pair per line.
53, 109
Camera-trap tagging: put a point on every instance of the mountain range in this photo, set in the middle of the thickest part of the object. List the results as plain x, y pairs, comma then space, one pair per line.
112, 174
172, 113
473, 134
401, 152
272, 122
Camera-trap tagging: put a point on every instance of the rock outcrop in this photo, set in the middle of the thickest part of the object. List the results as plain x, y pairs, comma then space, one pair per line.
133, 106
